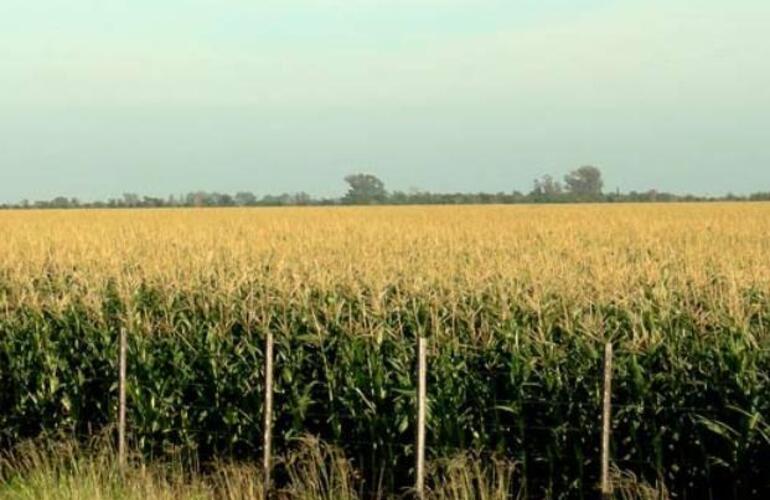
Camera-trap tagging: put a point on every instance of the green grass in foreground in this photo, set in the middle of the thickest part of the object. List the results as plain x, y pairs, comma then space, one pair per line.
65, 470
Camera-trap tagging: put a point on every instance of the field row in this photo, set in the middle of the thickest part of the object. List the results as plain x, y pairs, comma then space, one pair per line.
689, 406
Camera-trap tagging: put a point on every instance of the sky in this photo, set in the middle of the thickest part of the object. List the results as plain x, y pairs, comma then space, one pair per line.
102, 97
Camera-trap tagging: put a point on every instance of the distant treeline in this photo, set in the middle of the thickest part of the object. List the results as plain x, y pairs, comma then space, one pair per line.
583, 185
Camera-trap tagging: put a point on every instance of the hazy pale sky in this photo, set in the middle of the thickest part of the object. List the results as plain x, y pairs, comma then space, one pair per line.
99, 97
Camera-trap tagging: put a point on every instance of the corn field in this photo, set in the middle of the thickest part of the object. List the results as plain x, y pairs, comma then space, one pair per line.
517, 302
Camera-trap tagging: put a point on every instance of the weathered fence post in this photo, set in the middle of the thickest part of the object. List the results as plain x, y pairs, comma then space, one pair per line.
122, 397
606, 483
268, 416
421, 404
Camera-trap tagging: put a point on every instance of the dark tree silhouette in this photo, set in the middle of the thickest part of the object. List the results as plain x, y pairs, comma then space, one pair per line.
585, 183
546, 189
365, 189
245, 199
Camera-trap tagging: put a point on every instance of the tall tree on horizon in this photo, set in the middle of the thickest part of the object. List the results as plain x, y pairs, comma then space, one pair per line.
365, 189
585, 182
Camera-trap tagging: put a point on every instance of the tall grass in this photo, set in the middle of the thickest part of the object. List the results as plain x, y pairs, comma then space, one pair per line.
68, 470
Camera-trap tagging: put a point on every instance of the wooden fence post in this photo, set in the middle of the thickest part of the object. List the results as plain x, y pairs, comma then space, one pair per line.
268, 416
122, 398
421, 406
606, 483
